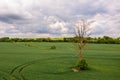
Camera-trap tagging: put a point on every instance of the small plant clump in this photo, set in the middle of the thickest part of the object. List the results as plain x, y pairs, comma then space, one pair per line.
27, 45
81, 65
53, 47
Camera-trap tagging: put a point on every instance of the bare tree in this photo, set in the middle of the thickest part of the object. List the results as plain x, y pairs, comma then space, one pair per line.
82, 30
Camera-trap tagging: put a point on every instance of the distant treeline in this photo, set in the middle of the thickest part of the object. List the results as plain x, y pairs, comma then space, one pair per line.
104, 39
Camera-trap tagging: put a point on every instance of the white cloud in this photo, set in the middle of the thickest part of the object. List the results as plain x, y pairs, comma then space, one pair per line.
106, 24
59, 27
55, 18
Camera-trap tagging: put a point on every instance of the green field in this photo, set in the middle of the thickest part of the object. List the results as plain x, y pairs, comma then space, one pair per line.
36, 61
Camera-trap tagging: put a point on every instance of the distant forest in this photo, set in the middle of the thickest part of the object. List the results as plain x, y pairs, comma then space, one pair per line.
104, 39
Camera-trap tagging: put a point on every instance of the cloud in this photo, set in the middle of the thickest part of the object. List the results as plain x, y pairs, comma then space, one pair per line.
106, 24
56, 18
10, 18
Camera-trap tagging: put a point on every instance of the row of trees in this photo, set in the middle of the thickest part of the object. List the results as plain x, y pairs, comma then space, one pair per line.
104, 39
99, 40
7, 39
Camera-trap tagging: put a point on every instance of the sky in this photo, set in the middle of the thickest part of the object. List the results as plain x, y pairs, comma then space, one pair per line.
56, 18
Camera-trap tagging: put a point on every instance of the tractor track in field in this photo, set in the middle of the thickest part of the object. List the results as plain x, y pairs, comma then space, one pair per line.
23, 66
6, 75
30, 46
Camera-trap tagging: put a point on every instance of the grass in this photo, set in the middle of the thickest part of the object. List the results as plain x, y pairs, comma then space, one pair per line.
36, 61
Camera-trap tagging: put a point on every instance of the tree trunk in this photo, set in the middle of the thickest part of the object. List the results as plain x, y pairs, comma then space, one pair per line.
81, 54
81, 47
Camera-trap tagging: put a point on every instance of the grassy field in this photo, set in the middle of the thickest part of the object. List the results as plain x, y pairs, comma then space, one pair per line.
36, 61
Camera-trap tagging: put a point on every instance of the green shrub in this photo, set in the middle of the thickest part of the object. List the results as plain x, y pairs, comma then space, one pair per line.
53, 47
82, 65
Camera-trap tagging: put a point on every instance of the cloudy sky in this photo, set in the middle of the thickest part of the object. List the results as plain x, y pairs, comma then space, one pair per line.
56, 18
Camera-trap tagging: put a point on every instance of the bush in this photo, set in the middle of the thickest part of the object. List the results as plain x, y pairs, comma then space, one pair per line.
82, 65
53, 47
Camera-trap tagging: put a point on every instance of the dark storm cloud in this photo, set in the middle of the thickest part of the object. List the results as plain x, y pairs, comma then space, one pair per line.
10, 18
